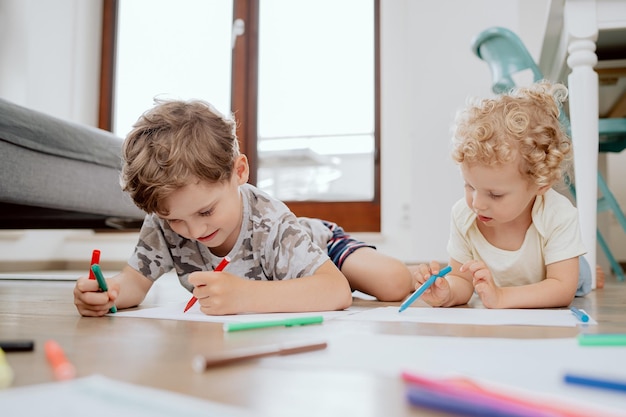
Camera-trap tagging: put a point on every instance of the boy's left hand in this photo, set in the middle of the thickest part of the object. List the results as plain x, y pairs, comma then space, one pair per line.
484, 285
218, 293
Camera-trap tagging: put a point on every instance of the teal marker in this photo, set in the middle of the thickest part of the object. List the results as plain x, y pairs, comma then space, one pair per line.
298, 321
602, 339
102, 283
580, 315
423, 288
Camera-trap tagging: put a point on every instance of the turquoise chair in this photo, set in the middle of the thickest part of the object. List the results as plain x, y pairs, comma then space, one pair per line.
506, 56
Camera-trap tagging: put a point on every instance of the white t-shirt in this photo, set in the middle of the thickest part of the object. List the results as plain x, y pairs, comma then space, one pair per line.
553, 236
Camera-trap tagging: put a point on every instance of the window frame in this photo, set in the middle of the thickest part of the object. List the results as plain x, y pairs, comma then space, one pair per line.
353, 216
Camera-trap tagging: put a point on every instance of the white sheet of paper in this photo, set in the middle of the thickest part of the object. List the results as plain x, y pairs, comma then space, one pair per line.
527, 317
99, 396
174, 311
534, 367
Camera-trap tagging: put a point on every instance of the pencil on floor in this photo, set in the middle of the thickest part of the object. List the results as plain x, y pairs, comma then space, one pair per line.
201, 363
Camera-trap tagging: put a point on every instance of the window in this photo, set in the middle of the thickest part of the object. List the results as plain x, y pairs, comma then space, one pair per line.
300, 77
153, 60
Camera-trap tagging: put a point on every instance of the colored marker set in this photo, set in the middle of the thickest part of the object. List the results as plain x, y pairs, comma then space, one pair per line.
465, 397
62, 368
462, 396
6, 372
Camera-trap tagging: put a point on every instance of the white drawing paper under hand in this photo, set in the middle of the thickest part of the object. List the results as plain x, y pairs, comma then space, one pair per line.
175, 312
484, 316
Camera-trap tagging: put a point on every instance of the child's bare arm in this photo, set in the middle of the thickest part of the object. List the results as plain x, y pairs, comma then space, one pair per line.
126, 289
132, 287
222, 293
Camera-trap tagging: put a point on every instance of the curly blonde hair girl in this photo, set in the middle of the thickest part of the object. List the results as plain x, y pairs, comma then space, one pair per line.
172, 143
523, 123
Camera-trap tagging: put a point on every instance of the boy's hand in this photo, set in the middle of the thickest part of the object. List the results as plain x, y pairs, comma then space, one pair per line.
484, 285
90, 301
439, 292
219, 293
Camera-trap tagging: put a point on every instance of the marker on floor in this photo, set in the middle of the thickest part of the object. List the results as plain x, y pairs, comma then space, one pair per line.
62, 368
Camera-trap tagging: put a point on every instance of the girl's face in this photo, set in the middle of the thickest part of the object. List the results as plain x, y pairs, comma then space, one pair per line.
210, 213
499, 195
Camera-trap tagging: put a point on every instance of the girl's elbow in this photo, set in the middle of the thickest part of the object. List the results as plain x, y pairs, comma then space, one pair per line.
565, 298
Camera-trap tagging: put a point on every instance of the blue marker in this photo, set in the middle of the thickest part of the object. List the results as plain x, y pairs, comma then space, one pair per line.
593, 382
423, 288
580, 315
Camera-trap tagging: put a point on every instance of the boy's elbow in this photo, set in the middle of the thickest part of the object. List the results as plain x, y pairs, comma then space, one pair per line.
342, 298
346, 302
394, 292
398, 286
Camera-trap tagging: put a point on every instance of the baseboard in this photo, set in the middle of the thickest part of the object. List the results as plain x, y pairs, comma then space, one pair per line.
57, 265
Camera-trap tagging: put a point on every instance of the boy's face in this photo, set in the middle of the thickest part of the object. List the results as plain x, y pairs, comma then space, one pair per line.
210, 213
499, 195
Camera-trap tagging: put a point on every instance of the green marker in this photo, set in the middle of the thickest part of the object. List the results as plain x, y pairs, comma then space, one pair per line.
298, 321
102, 283
606, 339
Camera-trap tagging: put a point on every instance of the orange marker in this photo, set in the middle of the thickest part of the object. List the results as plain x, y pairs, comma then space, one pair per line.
219, 267
61, 367
95, 259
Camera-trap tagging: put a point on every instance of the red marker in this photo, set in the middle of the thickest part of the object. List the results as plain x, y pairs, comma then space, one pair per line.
61, 367
221, 266
95, 259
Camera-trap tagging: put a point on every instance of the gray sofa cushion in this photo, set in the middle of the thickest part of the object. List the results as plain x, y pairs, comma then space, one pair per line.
51, 163
43, 133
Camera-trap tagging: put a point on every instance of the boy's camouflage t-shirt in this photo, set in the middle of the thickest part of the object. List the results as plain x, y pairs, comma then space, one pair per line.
273, 244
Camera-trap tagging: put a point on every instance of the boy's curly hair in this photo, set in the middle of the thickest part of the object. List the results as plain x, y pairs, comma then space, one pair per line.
525, 123
172, 143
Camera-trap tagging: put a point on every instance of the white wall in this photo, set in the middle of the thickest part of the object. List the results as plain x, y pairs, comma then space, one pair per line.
428, 71
50, 61
49, 55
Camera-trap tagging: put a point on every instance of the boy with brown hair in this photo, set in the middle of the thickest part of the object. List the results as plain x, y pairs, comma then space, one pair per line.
183, 167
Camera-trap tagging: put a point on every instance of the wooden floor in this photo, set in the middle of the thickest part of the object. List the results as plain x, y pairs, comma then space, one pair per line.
156, 353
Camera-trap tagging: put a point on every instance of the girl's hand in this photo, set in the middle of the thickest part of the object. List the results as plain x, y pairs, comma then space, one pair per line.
489, 293
219, 293
439, 293
90, 301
